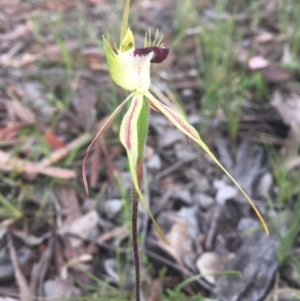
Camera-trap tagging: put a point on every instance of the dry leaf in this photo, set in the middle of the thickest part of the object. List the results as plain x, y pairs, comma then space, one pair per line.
178, 238
14, 107
7, 163
212, 262
289, 110
83, 226
53, 141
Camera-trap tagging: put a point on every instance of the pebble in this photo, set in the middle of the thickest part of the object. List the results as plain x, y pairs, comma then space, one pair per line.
112, 207
265, 184
154, 163
225, 192
204, 200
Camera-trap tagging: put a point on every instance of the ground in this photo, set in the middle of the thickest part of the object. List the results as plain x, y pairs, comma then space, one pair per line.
233, 69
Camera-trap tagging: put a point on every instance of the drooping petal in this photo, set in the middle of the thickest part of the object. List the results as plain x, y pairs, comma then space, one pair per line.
169, 100
180, 122
129, 138
111, 117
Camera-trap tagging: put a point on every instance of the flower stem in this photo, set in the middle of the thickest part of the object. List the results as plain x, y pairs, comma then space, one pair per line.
135, 246
142, 128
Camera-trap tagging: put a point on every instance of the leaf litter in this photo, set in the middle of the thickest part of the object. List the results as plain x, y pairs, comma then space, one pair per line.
54, 88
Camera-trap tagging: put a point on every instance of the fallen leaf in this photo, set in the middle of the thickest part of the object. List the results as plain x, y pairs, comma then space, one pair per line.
11, 131
53, 141
61, 153
8, 163
69, 205
289, 110
82, 226
178, 238
275, 74
19, 32
116, 232
210, 263
15, 108
39, 270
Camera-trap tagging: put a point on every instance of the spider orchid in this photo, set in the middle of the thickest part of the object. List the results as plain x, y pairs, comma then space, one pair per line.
129, 67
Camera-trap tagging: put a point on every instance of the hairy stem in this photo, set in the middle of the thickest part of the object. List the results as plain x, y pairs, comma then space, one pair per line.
142, 128
135, 247
134, 233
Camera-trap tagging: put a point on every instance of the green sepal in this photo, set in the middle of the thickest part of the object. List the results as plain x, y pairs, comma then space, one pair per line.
142, 127
124, 26
129, 136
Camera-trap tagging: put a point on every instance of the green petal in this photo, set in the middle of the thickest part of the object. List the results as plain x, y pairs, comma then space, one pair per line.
128, 41
111, 117
191, 132
129, 138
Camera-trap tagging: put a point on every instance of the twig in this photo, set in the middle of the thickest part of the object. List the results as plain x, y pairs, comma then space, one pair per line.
21, 281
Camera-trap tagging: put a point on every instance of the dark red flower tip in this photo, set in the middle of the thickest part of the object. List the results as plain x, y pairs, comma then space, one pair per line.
160, 54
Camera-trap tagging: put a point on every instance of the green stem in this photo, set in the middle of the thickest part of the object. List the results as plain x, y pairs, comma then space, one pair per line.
142, 129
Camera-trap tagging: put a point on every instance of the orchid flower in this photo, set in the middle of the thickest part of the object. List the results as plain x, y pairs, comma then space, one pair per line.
129, 68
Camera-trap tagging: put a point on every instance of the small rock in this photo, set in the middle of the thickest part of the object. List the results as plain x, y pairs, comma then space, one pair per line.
189, 214
265, 37
286, 54
149, 152
158, 123
194, 119
257, 62
247, 223
110, 269
184, 152
36, 97
154, 163
170, 137
201, 183
59, 288
83, 226
125, 178
187, 92
225, 192
112, 207
265, 184
7, 269
183, 196
205, 201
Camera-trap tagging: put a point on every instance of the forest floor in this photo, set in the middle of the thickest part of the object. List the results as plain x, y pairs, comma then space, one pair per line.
234, 69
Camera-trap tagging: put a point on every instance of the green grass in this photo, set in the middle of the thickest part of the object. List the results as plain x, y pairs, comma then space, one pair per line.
222, 85
287, 179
